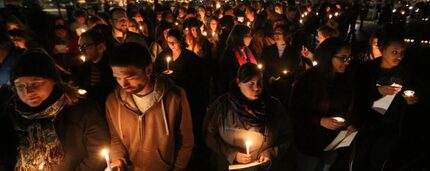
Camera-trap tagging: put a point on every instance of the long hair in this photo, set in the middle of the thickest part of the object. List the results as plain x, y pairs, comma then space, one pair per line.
235, 39
325, 53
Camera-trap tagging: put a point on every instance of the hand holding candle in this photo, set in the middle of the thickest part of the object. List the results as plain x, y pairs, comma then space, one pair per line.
168, 71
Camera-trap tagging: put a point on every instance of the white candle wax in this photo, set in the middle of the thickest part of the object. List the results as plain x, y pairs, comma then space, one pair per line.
105, 154
339, 119
409, 93
248, 144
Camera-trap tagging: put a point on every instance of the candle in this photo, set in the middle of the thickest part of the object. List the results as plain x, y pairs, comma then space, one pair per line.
82, 91
248, 144
105, 154
260, 66
409, 93
336, 14
204, 33
176, 23
140, 27
240, 19
168, 61
396, 85
314, 63
339, 119
248, 24
82, 58
330, 16
285, 71
83, 30
213, 34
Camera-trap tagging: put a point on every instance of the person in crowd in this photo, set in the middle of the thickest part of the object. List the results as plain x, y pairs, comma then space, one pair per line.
57, 130
8, 54
319, 95
119, 30
323, 33
281, 63
247, 113
383, 131
79, 25
94, 74
188, 71
64, 48
236, 54
148, 115
160, 44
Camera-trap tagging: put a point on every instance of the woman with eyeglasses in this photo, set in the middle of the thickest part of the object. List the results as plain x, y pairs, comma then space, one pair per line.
321, 102
56, 129
247, 125
384, 141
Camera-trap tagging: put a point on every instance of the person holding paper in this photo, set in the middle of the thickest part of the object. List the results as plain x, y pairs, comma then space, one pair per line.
247, 120
320, 102
381, 124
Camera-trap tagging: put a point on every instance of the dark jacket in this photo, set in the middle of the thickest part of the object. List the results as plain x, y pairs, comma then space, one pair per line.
83, 133
277, 126
313, 98
382, 137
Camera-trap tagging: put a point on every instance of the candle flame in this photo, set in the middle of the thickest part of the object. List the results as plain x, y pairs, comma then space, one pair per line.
339, 119
105, 152
82, 58
314, 63
260, 66
82, 91
409, 93
168, 59
285, 71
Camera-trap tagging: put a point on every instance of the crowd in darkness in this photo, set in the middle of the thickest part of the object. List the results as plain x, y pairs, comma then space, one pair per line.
208, 85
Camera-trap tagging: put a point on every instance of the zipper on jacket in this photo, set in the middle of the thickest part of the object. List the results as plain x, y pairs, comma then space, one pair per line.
140, 129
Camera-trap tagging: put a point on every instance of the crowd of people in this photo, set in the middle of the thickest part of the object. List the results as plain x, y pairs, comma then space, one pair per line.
210, 85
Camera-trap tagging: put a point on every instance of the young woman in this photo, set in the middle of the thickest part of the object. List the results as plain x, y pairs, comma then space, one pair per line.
247, 113
318, 96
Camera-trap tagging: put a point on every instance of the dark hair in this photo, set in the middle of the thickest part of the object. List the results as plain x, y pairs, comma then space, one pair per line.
248, 71
287, 34
327, 31
130, 54
226, 23
94, 35
325, 52
178, 35
79, 13
5, 42
235, 38
391, 33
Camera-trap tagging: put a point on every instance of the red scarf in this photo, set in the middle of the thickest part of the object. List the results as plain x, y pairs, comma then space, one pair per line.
242, 58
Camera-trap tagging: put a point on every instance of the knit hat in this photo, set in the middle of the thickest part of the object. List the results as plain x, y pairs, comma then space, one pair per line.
35, 63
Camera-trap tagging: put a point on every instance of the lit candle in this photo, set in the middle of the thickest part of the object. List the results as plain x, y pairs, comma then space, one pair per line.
396, 85
409, 93
260, 66
248, 24
248, 144
140, 27
83, 30
339, 119
285, 71
336, 14
314, 63
213, 33
176, 23
82, 58
402, 12
394, 10
301, 21
105, 153
240, 19
330, 16
82, 91
204, 33
168, 59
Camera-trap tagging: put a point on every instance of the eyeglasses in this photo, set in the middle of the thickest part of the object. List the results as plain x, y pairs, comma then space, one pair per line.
84, 47
29, 86
343, 58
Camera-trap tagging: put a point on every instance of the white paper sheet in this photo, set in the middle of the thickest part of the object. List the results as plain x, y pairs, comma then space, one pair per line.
341, 140
243, 166
381, 105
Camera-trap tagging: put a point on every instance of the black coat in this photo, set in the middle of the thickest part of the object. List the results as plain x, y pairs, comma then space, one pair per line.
312, 98
83, 133
382, 139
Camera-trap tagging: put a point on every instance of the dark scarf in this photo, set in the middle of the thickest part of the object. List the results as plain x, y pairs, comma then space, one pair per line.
39, 147
240, 103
